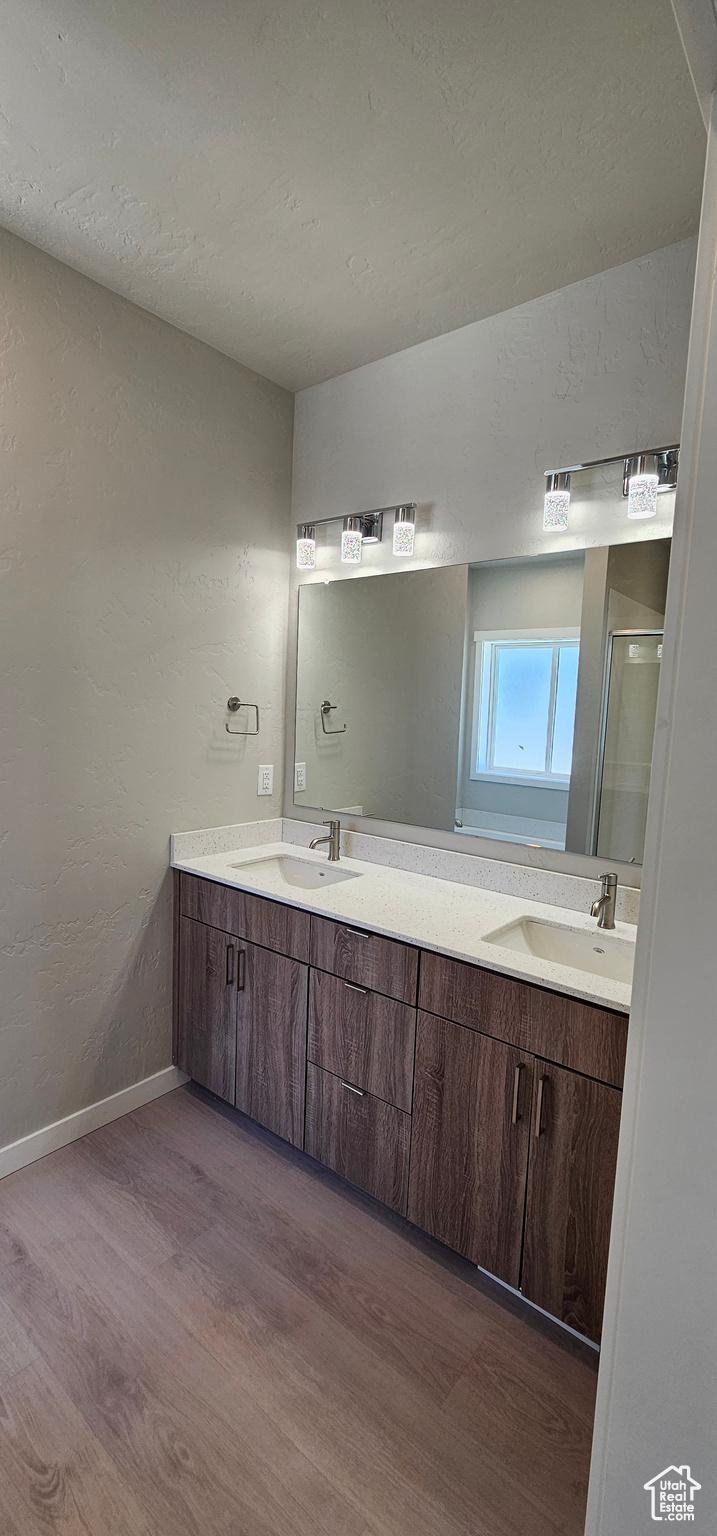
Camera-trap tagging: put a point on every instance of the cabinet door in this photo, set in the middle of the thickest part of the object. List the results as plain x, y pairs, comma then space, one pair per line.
206, 1007
469, 1148
573, 1151
272, 993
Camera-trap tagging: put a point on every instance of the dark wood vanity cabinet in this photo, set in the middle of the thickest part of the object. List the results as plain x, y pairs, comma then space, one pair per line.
571, 1177
469, 1153
362, 1031
513, 1165
485, 1166
206, 1007
485, 1109
271, 1040
241, 1011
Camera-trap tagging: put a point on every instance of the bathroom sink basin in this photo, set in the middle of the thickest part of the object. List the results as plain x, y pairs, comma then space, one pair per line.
301, 873
602, 953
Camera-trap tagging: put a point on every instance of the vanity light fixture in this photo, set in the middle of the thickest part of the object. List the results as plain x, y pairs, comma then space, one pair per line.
351, 541
357, 529
557, 499
644, 475
306, 547
404, 530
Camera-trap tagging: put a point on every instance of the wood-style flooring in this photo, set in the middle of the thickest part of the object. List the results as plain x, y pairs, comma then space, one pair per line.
202, 1333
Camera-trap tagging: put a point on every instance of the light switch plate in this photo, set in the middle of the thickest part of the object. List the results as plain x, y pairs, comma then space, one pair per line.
265, 782
299, 777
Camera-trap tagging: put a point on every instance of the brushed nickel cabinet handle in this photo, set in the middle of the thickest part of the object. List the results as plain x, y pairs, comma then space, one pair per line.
357, 933
515, 1116
539, 1109
351, 1088
353, 988
241, 971
230, 964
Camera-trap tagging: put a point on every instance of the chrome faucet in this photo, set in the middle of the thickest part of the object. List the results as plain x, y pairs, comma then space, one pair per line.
333, 840
604, 908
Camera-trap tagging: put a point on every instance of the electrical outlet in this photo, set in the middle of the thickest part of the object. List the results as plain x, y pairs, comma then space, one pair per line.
265, 784
299, 777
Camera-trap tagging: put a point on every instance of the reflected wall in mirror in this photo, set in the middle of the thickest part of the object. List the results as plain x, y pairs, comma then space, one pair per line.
386, 654
513, 699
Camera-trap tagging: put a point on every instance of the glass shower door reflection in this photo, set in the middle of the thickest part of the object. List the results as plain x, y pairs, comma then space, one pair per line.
624, 778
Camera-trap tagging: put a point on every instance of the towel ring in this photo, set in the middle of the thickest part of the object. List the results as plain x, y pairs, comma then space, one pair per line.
326, 709
233, 704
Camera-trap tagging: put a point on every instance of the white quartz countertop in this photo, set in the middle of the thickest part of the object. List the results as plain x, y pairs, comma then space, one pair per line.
432, 913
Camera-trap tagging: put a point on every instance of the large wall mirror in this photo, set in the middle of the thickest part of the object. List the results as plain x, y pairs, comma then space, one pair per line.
513, 700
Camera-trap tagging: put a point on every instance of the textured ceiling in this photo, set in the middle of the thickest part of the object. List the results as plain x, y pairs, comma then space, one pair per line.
311, 186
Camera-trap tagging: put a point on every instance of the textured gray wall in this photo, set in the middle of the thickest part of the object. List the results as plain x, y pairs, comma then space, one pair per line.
143, 578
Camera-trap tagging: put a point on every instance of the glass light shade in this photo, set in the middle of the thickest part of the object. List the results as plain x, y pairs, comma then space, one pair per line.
555, 510
306, 554
351, 541
404, 531
642, 496
557, 500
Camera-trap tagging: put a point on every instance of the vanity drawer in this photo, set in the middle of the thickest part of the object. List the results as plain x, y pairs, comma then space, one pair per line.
481, 999
359, 1136
362, 1036
382, 965
254, 918
579, 1035
561, 1029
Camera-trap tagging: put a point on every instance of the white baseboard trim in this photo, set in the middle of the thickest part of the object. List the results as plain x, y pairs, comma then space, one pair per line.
29, 1148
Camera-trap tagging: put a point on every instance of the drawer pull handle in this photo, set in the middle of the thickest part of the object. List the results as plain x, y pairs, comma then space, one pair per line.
351, 1088
241, 971
353, 988
357, 933
230, 964
515, 1115
539, 1109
